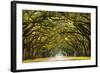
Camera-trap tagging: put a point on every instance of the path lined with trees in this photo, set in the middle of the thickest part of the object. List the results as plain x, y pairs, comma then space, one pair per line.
46, 33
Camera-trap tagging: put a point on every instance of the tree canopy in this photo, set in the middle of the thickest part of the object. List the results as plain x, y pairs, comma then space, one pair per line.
45, 33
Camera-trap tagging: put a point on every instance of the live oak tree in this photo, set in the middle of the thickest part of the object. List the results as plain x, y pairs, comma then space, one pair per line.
45, 33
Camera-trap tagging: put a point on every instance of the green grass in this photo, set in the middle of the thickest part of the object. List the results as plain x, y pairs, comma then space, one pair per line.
65, 59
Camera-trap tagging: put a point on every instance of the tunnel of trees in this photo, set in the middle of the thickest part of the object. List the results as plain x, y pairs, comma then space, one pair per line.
46, 33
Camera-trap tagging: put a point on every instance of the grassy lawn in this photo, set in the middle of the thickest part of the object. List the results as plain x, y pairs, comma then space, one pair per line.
56, 59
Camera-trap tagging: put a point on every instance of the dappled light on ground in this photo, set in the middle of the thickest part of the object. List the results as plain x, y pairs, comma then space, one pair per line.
59, 58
